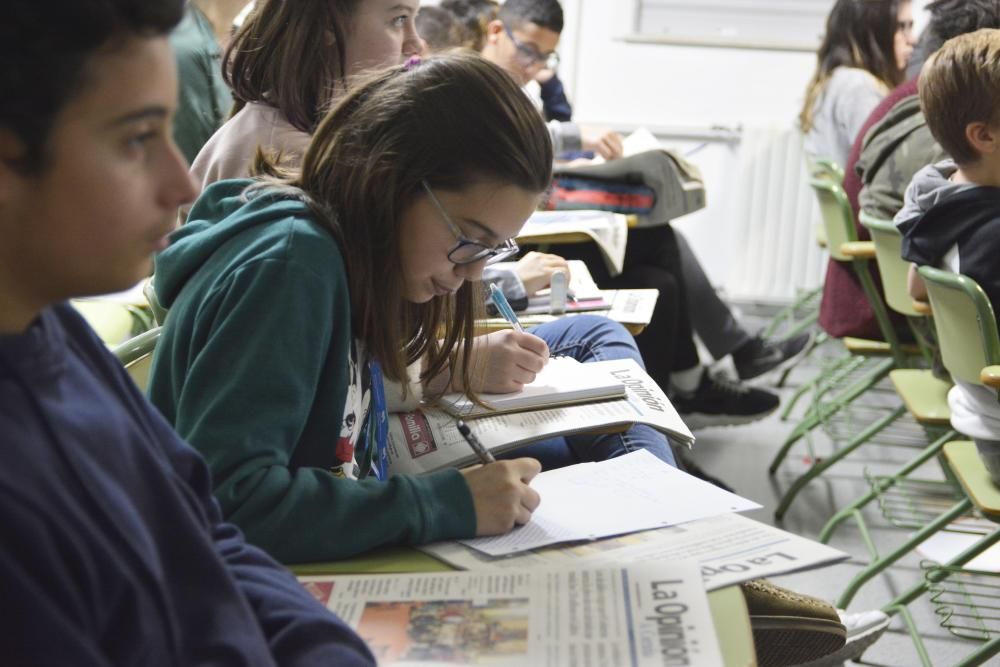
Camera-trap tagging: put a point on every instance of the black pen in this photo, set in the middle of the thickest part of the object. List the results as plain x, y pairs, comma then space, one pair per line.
484, 454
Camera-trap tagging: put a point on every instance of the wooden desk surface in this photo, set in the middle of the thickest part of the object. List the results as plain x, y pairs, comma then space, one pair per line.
975, 479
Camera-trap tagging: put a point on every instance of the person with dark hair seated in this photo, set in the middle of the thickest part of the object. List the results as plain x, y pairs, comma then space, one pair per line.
522, 40
437, 29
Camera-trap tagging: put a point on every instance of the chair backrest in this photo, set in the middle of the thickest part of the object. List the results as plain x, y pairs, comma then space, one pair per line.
826, 169
112, 321
894, 269
835, 212
159, 312
965, 324
136, 354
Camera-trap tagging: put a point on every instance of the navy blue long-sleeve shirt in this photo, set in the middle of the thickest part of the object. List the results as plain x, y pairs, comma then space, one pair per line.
112, 548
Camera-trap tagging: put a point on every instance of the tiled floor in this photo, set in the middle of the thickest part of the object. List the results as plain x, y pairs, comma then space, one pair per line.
741, 455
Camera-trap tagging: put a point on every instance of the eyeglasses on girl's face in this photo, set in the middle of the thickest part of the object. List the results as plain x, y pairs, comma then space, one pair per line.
466, 250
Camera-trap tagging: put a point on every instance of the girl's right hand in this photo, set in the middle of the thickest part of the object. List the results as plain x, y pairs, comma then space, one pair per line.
512, 360
501, 494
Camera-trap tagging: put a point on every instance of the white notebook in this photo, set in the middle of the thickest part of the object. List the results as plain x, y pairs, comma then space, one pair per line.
563, 381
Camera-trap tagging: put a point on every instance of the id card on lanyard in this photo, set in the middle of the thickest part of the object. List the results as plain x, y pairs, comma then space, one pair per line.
374, 458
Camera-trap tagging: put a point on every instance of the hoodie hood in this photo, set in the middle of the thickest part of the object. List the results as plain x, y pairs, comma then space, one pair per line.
929, 186
221, 213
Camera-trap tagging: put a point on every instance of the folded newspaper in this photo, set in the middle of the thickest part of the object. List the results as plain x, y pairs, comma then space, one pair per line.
608, 230
428, 439
650, 614
729, 549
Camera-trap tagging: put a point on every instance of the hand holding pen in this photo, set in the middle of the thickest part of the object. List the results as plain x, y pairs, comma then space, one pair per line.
482, 453
502, 496
506, 312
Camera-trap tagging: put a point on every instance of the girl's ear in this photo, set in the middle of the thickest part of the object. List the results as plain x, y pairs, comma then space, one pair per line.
983, 137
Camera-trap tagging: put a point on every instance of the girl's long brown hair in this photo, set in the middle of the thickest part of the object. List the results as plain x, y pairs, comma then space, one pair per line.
453, 121
267, 60
859, 33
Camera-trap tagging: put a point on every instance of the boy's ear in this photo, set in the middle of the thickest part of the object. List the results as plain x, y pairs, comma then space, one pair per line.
493, 31
983, 137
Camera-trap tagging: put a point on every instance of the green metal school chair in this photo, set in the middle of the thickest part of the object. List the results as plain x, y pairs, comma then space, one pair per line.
136, 354
967, 601
867, 362
905, 503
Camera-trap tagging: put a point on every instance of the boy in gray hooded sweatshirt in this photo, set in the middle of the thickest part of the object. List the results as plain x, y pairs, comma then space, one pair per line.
951, 215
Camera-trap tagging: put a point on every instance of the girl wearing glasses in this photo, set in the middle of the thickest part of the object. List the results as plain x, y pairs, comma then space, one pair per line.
290, 300
863, 55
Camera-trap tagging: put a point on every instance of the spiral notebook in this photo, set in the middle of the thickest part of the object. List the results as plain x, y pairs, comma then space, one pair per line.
563, 381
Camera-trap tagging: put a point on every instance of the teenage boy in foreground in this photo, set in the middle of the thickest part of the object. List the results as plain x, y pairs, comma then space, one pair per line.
112, 550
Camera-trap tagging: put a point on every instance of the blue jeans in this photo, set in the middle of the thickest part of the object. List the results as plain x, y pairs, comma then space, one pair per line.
592, 338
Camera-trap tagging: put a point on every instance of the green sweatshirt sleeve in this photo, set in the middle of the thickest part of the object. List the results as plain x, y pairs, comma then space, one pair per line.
254, 375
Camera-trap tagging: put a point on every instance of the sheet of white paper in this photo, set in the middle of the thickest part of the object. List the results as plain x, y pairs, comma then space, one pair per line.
621, 495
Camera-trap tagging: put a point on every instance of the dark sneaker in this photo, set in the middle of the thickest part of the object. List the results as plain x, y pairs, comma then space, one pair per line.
719, 401
761, 355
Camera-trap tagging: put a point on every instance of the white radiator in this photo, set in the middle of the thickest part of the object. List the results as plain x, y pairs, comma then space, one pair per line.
772, 218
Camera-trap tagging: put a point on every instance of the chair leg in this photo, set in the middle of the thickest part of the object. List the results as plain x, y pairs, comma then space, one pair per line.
982, 654
883, 485
840, 368
823, 465
915, 635
817, 341
788, 313
824, 412
881, 564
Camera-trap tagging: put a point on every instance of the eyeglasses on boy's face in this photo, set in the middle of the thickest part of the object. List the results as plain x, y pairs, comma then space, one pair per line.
467, 251
529, 56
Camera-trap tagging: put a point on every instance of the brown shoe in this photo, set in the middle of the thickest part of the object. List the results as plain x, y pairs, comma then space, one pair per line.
790, 628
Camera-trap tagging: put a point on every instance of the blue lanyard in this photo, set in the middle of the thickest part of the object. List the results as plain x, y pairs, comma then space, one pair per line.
376, 435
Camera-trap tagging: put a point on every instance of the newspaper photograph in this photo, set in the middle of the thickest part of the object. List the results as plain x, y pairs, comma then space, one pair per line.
428, 439
640, 615
729, 549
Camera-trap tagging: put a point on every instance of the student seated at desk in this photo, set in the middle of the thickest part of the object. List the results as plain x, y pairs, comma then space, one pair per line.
522, 38
281, 100
331, 316
951, 215
112, 549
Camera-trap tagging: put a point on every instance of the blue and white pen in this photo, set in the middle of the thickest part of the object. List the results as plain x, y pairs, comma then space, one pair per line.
504, 307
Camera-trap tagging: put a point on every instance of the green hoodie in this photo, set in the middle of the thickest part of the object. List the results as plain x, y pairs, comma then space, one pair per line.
252, 370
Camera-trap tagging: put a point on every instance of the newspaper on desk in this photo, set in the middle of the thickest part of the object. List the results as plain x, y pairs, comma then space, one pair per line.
428, 439
729, 548
645, 615
608, 230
